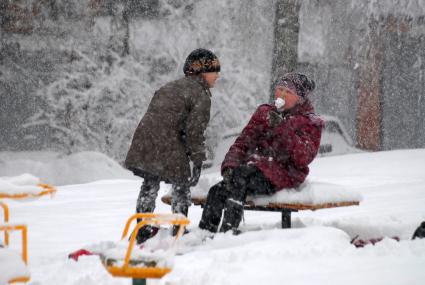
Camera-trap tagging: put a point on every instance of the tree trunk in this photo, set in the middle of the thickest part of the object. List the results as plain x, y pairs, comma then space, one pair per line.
285, 50
126, 21
369, 100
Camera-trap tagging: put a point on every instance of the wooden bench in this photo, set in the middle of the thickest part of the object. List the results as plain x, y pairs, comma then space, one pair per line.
284, 208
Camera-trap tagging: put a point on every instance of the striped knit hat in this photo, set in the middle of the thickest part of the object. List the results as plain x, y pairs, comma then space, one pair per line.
201, 61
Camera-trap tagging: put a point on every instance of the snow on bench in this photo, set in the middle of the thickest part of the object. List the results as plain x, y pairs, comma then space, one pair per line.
13, 268
311, 195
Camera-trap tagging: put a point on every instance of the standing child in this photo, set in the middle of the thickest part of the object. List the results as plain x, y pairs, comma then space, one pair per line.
170, 136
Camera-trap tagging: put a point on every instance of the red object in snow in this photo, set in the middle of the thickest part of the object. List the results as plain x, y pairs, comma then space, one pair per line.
76, 254
361, 243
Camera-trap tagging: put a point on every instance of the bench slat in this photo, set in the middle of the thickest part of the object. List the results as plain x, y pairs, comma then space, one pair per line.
275, 206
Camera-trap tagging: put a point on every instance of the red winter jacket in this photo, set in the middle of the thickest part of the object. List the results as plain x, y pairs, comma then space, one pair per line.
280, 144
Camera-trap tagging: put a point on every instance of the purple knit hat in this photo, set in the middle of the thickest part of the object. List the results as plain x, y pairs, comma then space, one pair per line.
297, 82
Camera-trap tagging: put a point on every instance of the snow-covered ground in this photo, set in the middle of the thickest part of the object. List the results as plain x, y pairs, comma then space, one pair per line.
316, 250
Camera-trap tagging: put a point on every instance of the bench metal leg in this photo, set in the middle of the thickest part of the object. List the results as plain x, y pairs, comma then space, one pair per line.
139, 281
286, 219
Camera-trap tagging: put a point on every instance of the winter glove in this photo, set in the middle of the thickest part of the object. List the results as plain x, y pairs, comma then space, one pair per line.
196, 173
274, 119
227, 175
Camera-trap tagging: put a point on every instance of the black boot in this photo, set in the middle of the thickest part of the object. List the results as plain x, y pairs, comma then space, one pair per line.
213, 208
420, 231
184, 210
146, 232
232, 216
176, 230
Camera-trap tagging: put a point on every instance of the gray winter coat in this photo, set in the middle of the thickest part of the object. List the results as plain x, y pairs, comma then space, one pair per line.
171, 133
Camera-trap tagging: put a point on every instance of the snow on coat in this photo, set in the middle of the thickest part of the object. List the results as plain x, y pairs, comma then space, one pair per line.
280, 144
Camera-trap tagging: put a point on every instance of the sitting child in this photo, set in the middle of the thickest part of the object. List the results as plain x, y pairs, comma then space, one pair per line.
272, 153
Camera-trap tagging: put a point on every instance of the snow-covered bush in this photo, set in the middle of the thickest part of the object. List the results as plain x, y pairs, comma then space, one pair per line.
96, 96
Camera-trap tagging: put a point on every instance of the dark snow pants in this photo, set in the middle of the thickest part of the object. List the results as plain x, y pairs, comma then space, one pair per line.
180, 200
231, 196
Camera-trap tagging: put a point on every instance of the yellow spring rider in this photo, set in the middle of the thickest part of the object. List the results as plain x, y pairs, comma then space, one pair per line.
6, 227
135, 269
